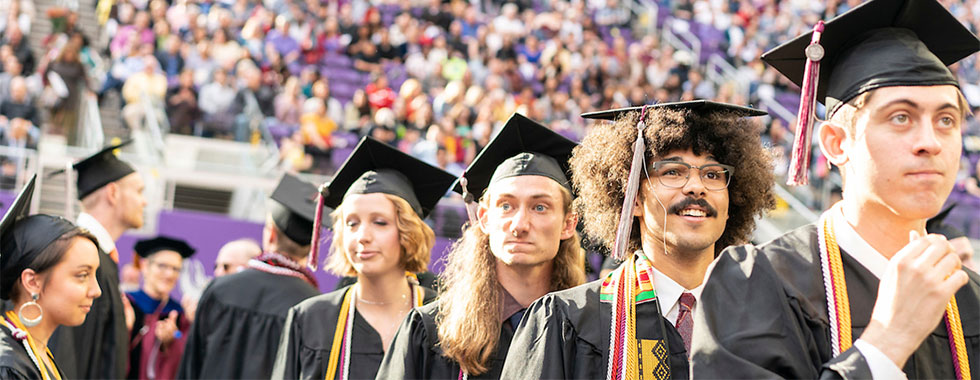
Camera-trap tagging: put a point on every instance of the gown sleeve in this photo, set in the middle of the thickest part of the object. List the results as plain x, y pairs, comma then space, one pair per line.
407, 354
287, 364
13, 374
750, 325
543, 346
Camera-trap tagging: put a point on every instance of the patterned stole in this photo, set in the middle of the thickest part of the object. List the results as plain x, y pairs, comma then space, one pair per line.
340, 349
275, 263
839, 307
629, 358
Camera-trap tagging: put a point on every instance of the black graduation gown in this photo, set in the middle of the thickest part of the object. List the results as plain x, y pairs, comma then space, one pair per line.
15, 362
99, 347
763, 313
565, 335
414, 353
240, 319
304, 350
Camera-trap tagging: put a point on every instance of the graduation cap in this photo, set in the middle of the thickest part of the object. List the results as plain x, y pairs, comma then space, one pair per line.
521, 147
880, 43
293, 208
702, 107
147, 247
699, 107
376, 167
23, 237
100, 169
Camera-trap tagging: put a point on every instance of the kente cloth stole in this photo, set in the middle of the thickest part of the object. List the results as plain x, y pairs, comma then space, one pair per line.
631, 358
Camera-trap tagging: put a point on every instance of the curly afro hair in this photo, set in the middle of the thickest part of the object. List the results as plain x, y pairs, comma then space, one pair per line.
600, 168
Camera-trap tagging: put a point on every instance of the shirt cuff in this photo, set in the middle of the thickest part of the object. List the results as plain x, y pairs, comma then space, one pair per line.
881, 366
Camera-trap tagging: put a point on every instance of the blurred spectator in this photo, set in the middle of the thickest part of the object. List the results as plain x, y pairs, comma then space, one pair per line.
182, 109
245, 105
379, 94
14, 38
215, 102
17, 136
171, 58
144, 90
17, 12
19, 105
68, 82
289, 103
316, 128
136, 34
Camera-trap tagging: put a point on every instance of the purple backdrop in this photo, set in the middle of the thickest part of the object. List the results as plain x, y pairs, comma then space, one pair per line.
208, 232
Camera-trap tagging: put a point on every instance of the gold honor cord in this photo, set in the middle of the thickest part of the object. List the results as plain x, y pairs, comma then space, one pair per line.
340, 349
13, 323
840, 316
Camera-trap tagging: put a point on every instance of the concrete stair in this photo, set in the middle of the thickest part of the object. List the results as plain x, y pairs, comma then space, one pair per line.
109, 107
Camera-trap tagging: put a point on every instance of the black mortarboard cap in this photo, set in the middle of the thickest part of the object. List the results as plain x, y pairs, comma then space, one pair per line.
293, 208
880, 43
145, 248
376, 167
521, 147
100, 169
23, 237
702, 107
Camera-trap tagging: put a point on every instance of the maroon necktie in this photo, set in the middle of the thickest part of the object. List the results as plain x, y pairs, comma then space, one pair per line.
685, 319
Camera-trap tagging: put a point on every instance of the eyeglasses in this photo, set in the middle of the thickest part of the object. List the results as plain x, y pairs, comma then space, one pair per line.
165, 267
675, 174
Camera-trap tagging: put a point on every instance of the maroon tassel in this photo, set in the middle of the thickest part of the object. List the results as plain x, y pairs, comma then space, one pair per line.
625, 226
313, 261
800, 163
468, 200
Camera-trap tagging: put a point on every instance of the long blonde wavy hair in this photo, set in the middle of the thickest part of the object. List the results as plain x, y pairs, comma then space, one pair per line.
469, 305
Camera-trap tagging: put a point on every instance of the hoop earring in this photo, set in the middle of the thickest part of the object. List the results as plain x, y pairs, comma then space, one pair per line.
40, 312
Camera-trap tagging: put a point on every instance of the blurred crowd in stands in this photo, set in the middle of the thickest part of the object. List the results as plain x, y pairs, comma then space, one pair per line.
432, 77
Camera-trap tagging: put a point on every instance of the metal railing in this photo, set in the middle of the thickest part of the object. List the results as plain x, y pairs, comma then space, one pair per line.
90, 131
774, 107
719, 71
683, 40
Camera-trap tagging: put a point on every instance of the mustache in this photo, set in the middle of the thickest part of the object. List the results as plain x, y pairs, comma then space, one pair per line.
688, 201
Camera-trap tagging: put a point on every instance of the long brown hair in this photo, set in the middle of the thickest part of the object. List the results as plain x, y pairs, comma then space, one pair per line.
469, 305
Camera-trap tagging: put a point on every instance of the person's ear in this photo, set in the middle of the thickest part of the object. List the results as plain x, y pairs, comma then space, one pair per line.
568, 229
112, 193
481, 217
833, 138
31, 281
638, 202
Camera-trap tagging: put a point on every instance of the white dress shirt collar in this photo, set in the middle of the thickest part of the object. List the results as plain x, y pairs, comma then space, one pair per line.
851, 242
669, 294
88, 222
